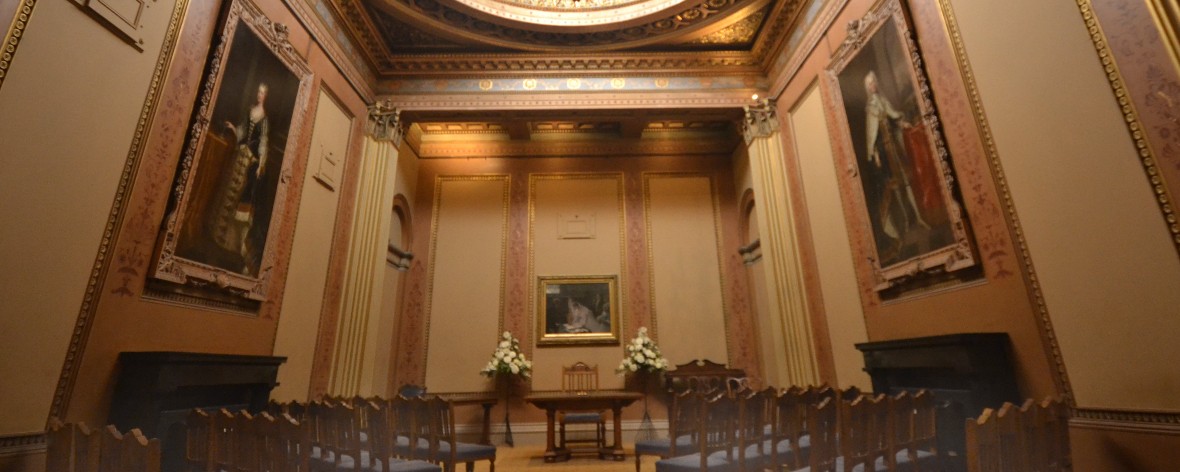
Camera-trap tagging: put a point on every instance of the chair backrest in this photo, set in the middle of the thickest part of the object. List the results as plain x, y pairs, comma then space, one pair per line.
293, 444
700, 374
71, 447
199, 442
225, 438
1031, 437
822, 426
579, 378
131, 452
717, 416
751, 426
790, 425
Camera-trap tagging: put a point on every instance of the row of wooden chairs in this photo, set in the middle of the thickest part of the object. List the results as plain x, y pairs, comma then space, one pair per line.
818, 428
1031, 437
73, 447
409, 434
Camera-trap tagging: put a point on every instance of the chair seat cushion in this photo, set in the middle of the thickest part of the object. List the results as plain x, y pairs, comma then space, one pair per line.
465, 452
398, 465
693, 462
878, 466
925, 460
582, 417
662, 446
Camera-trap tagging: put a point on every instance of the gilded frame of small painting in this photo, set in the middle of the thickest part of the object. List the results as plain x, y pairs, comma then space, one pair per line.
903, 182
231, 188
577, 310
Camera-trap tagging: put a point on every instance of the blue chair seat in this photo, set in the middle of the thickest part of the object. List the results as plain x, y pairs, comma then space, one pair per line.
465, 452
398, 465
662, 446
583, 417
692, 462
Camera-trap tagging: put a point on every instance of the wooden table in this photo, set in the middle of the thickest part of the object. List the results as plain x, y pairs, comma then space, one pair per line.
551, 402
485, 399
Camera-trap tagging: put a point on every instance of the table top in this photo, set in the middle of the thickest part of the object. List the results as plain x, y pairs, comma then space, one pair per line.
621, 395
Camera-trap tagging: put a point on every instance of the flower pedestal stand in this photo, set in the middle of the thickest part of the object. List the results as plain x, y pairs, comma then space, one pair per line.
506, 380
647, 430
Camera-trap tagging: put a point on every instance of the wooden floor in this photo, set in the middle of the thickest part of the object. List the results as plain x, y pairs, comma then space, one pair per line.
531, 458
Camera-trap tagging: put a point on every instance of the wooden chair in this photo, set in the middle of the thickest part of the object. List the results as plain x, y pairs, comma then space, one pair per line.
445, 447
130, 452
789, 440
700, 374
224, 443
681, 429
716, 426
580, 379
382, 443
293, 445
823, 431
750, 444
199, 441
71, 447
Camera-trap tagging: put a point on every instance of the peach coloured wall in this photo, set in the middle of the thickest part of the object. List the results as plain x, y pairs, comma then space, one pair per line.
686, 275
68, 111
309, 262
599, 196
846, 323
1107, 268
466, 262
121, 318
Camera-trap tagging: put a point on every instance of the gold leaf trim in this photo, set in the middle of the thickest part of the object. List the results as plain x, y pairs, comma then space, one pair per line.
16, 31
1147, 156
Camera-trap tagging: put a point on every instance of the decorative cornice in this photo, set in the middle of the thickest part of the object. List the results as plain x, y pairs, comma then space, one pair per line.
1142, 421
358, 74
16, 31
384, 124
491, 65
761, 120
22, 443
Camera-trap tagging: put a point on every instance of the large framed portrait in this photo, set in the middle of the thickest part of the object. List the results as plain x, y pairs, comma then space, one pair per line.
577, 310
232, 182
904, 183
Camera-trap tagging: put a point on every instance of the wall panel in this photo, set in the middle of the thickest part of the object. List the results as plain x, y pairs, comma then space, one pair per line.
299, 321
467, 260
598, 196
846, 324
686, 277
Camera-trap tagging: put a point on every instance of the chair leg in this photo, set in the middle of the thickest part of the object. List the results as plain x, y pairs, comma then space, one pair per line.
637, 462
471, 466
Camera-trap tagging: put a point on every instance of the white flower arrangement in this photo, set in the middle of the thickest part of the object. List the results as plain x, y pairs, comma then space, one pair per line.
508, 359
642, 354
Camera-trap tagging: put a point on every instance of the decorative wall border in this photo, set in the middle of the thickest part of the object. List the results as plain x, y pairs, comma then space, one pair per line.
1037, 297
16, 30
1135, 126
621, 198
98, 273
359, 78
1133, 421
436, 207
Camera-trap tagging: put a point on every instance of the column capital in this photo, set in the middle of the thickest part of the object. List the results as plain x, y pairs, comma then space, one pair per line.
384, 124
761, 120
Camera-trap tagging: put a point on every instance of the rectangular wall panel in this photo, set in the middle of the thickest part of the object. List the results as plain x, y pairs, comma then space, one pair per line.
686, 275
596, 201
302, 305
833, 253
466, 273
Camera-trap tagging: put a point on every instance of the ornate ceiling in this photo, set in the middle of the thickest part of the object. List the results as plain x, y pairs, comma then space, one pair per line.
445, 38
570, 77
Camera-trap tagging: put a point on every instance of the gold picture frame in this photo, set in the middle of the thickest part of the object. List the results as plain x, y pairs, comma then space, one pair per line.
231, 190
902, 180
577, 310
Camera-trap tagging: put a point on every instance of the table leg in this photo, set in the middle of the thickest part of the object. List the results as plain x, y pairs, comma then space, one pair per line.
617, 447
486, 437
550, 449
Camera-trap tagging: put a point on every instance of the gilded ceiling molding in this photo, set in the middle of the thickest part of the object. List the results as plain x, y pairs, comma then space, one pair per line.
795, 58
634, 63
81, 333
774, 36
565, 101
761, 120
384, 124
1134, 421
1135, 126
603, 148
360, 29
16, 31
1036, 296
